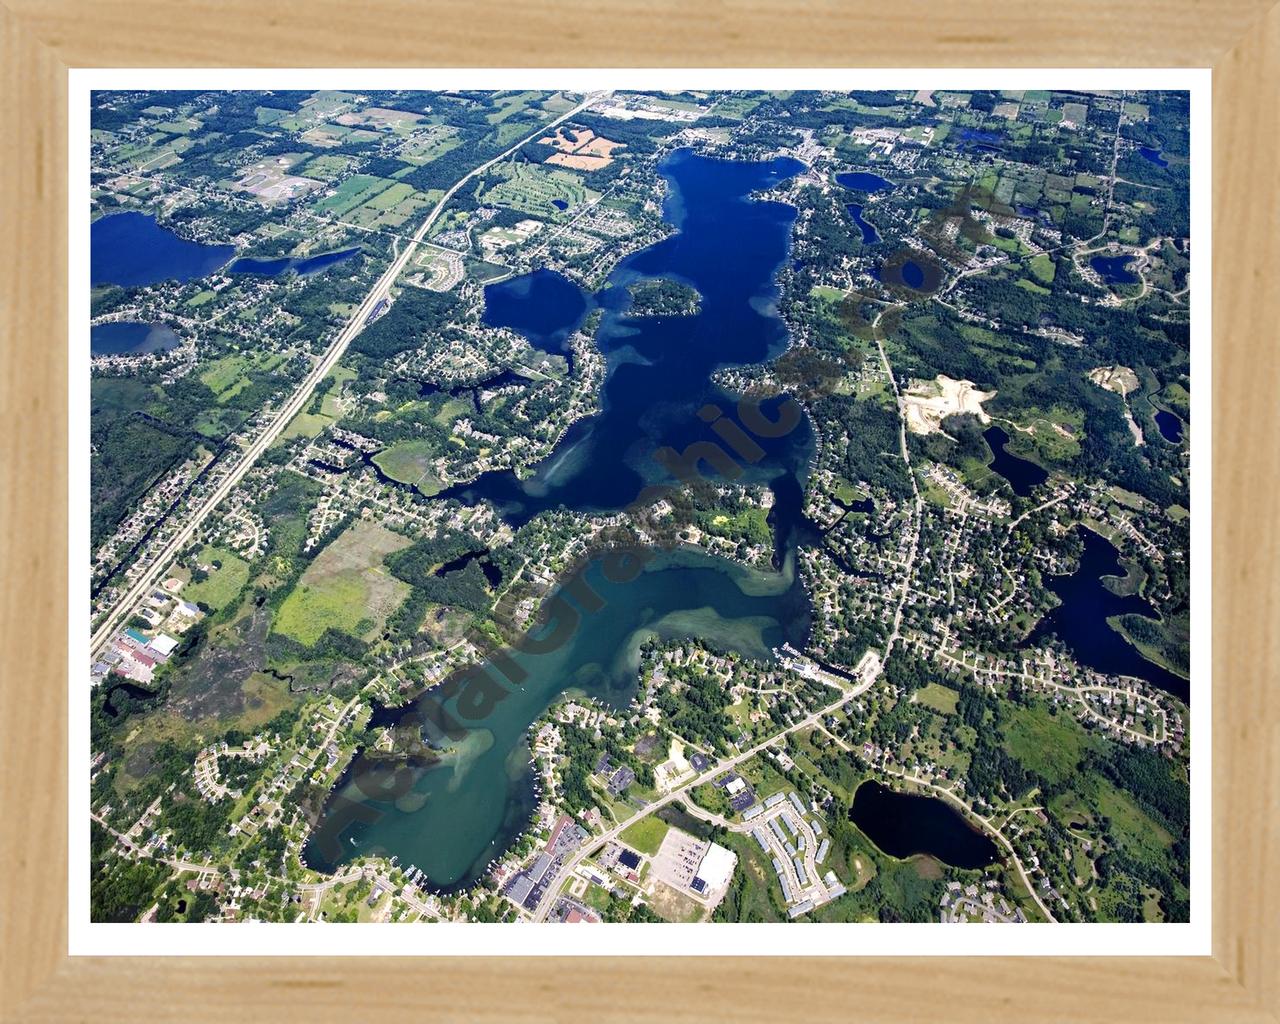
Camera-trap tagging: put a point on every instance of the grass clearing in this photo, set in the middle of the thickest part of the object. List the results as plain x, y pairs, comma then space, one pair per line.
355, 191
1043, 267
346, 588
409, 462
305, 424
941, 698
646, 835
1050, 745
223, 584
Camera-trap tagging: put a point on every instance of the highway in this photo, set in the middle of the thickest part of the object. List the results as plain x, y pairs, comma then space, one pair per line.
298, 400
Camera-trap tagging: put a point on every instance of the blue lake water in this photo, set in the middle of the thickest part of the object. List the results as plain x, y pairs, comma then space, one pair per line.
560, 204
463, 811
1153, 155
128, 338
658, 368
1114, 269
544, 306
1170, 426
1080, 621
863, 181
869, 234
304, 266
1022, 474
131, 249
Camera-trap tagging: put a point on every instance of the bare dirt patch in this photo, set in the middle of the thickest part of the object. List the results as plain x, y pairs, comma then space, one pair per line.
379, 117
674, 906
928, 402
1119, 379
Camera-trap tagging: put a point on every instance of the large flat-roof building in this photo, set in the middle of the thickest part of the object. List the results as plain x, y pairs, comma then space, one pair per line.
716, 868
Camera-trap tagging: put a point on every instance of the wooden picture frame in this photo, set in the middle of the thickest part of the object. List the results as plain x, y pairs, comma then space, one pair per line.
42, 39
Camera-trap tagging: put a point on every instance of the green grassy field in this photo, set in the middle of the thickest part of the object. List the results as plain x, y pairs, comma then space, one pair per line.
346, 588
646, 835
355, 191
847, 492
326, 167
512, 103
754, 894
388, 198
826, 292
1050, 745
229, 375
1043, 267
392, 207
223, 584
532, 189
305, 424
940, 698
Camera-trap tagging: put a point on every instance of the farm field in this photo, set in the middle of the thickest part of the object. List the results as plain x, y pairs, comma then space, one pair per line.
355, 191
393, 207
228, 376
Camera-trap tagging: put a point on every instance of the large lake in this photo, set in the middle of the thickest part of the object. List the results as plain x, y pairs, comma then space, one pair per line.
1023, 474
464, 811
131, 249
1170, 426
869, 234
863, 181
1114, 269
1080, 621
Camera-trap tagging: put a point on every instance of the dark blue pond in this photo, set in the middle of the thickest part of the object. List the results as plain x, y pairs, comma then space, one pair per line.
131, 249
869, 234
1153, 155
546, 307
912, 274
131, 339
302, 267
1080, 621
1114, 269
906, 824
1022, 474
863, 181
560, 204
1170, 426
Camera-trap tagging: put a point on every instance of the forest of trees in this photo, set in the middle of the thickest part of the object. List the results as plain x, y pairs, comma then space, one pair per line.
416, 312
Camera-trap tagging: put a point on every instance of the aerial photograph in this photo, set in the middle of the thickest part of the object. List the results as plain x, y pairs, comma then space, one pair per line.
522, 506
